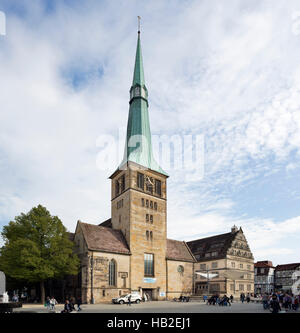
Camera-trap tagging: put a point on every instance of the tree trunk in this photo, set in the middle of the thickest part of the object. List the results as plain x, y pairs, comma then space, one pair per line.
42, 285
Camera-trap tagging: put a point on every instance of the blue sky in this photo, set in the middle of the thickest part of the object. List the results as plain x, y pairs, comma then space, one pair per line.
228, 71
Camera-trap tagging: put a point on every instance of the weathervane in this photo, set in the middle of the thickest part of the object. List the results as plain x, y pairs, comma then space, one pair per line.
139, 24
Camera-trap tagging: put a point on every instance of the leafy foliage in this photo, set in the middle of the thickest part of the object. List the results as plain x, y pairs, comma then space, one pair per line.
37, 247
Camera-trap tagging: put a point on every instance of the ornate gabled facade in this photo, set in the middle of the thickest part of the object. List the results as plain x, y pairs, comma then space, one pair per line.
228, 257
131, 252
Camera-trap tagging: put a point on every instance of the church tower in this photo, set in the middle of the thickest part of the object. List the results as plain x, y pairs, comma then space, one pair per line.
139, 198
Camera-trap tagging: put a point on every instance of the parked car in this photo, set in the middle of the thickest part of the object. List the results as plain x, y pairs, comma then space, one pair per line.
135, 298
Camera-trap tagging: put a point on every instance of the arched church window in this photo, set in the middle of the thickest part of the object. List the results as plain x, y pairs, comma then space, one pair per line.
112, 273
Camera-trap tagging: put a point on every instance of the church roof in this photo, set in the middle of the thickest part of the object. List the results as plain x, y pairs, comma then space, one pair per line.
218, 243
178, 250
99, 238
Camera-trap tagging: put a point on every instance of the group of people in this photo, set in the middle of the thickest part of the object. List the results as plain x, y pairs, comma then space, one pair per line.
244, 298
276, 302
221, 301
69, 305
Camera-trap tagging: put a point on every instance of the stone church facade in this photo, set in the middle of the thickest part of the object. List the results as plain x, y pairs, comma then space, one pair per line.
131, 251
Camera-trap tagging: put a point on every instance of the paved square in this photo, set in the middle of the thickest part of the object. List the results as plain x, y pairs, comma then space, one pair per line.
157, 307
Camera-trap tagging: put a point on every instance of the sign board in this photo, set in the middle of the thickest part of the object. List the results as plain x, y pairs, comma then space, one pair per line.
149, 280
2, 283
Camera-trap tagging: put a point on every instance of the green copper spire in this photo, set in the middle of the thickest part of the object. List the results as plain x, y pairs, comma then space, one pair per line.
138, 146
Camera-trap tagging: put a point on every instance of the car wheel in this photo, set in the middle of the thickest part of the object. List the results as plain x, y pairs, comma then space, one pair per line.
137, 301
121, 302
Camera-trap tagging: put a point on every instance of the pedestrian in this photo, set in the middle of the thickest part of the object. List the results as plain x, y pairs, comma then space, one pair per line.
265, 301
204, 298
242, 297
231, 298
274, 304
67, 308
78, 302
47, 303
53, 302
72, 303
248, 298
129, 300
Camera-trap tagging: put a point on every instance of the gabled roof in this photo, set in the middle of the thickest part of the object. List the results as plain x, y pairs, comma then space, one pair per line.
178, 250
287, 267
218, 243
99, 238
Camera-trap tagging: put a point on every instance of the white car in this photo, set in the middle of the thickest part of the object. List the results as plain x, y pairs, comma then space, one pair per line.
135, 298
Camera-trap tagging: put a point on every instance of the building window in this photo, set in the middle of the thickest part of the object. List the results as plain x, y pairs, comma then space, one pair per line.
241, 265
241, 287
248, 287
120, 204
117, 188
143, 202
158, 187
214, 265
155, 206
140, 180
233, 264
147, 235
151, 235
232, 287
112, 273
151, 218
103, 292
203, 266
249, 267
147, 217
151, 204
148, 264
147, 203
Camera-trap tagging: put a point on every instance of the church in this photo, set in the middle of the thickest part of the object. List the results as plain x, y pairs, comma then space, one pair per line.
130, 252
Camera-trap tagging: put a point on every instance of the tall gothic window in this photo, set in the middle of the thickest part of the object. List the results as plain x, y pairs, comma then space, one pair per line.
158, 187
140, 180
112, 273
148, 264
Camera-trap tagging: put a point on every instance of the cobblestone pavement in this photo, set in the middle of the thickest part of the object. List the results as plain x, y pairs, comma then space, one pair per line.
156, 307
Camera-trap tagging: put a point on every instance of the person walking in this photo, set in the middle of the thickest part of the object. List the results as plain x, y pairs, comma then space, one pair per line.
265, 301
47, 303
242, 297
129, 300
53, 302
231, 298
274, 304
78, 302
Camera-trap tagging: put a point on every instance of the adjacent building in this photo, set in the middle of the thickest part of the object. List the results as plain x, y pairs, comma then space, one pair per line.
286, 275
224, 264
264, 277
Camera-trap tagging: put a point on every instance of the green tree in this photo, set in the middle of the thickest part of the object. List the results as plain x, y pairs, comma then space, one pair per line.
37, 247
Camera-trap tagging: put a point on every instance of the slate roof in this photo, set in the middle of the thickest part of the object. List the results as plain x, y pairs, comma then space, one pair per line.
218, 243
99, 238
287, 267
178, 250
